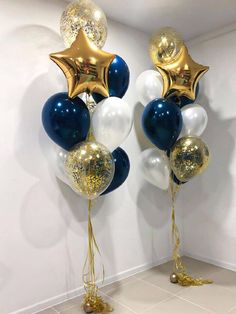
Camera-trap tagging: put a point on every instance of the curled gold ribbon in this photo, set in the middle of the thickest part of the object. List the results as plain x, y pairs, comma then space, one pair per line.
92, 302
179, 269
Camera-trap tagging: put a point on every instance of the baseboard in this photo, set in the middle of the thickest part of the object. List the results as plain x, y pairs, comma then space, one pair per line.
50, 302
215, 262
78, 291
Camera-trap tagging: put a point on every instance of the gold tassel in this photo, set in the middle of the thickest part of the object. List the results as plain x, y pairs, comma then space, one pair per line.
92, 302
180, 274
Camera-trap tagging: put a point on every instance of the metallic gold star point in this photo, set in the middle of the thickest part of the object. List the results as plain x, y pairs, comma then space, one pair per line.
85, 66
182, 75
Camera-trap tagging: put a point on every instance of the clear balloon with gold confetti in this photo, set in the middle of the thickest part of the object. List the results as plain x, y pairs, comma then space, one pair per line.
86, 15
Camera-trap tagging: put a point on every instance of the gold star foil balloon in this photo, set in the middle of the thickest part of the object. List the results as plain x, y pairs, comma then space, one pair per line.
182, 75
85, 66
90, 169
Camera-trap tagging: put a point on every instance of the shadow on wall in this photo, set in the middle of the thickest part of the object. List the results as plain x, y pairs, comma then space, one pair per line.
153, 204
155, 198
44, 226
30, 138
4, 275
35, 42
208, 197
29, 60
5, 278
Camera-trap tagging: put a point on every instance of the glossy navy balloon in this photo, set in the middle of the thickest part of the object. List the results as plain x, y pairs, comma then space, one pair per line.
175, 179
118, 79
162, 122
66, 120
182, 100
122, 166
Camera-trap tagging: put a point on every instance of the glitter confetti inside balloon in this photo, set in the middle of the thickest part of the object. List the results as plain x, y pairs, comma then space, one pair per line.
86, 15
90, 169
189, 157
165, 45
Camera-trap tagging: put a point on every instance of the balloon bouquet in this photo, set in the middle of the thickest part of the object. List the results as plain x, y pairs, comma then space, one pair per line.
89, 132
173, 123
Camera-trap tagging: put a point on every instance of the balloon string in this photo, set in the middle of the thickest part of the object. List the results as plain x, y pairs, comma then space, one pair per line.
177, 99
184, 279
90, 136
91, 298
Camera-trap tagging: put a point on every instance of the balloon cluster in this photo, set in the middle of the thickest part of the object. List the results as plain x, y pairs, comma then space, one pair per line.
171, 120
173, 123
90, 121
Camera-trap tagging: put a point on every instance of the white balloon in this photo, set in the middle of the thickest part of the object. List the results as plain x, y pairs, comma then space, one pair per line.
148, 86
155, 167
56, 158
194, 120
59, 165
111, 122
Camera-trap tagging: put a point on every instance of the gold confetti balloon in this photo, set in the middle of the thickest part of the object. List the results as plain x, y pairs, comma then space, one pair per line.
90, 169
189, 157
86, 15
165, 45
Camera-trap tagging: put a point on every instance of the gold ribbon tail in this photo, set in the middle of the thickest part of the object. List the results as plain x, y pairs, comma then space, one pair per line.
179, 269
92, 302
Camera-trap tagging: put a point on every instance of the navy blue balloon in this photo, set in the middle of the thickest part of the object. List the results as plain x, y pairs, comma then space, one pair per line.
66, 120
175, 179
118, 79
182, 100
162, 122
122, 167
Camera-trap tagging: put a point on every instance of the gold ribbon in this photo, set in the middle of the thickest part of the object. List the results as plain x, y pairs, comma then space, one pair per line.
91, 105
92, 302
179, 269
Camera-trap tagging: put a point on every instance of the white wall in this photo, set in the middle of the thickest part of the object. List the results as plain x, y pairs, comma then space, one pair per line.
42, 222
209, 201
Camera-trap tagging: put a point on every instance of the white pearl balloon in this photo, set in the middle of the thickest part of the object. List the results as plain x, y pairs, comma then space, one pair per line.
194, 120
155, 167
56, 157
111, 122
148, 86
59, 166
